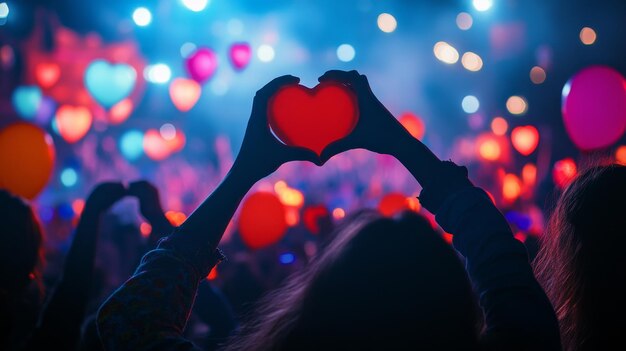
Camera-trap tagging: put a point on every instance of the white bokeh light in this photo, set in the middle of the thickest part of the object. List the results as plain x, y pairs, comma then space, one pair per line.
195, 5
265, 53
470, 104
482, 5
345, 52
142, 16
159, 73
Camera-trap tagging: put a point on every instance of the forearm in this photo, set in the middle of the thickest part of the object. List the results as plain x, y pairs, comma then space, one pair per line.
206, 225
150, 310
416, 157
516, 309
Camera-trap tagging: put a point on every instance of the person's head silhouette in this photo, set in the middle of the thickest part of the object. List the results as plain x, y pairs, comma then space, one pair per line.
20, 256
380, 284
582, 262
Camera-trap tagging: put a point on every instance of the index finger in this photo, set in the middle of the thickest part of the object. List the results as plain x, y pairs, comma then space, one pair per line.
270, 88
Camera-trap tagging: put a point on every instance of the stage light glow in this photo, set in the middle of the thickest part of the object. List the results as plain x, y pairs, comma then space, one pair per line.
345, 52
159, 73
339, 213
187, 49
482, 5
511, 187
489, 149
4, 10
168, 131
195, 5
470, 104
142, 16
588, 36
387, 23
464, 21
471, 61
287, 258
537, 75
620, 155
265, 53
499, 126
516, 105
69, 177
446, 53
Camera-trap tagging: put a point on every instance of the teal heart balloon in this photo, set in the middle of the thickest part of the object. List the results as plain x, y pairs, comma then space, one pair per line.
109, 83
26, 100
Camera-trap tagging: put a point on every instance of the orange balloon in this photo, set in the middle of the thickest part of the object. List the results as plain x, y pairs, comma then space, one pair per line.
262, 221
26, 159
394, 203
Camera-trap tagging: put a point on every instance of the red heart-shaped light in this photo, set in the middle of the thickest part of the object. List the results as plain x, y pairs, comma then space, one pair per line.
313, 118
47, 74
73, 122
525, 139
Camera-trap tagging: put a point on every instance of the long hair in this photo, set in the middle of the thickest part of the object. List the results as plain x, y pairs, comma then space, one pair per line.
380, 283
582, 261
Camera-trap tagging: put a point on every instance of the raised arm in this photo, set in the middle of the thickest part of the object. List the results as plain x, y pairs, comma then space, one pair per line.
64, 313
151, 309
517, 312
151, 210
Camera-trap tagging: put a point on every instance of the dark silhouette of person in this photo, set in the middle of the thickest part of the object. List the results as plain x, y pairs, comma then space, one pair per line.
351, 295
582, 262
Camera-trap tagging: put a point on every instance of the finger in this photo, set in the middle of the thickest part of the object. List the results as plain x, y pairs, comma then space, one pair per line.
357, 81
346, 77
335, 148
300, 154
272, 87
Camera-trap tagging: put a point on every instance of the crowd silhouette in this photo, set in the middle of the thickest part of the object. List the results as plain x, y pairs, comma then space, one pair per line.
375, 283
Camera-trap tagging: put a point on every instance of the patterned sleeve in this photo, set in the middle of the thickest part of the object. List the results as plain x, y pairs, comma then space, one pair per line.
150, 310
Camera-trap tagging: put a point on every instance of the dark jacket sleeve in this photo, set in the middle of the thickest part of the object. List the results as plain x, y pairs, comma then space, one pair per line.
150, 310
518, 314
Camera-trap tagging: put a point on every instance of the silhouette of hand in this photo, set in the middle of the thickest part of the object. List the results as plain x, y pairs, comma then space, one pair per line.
149, 201
103, 196
261, 153
377, 129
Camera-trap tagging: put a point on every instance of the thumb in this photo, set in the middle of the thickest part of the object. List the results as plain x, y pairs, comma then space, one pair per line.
335, 148
302, 154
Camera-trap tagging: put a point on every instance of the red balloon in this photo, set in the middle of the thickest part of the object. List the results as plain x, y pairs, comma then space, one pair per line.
394, 203
313, 118
262, 220
312, 215
594, 107
564, 172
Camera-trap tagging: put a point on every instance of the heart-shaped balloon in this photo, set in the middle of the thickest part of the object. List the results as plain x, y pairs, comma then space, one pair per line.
313, 118
121, 111
155, 146
73, 122
201, 64
109, 83
525, 139
184, 93
26, 100
47, 74
240, 54
46, 111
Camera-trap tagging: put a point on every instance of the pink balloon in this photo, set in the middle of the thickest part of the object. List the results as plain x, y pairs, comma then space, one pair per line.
201, 64
594, 107
240, 54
